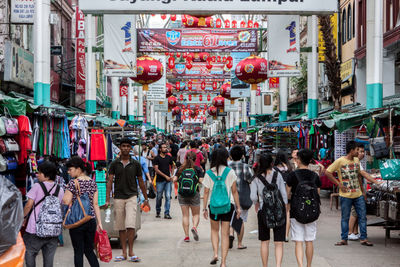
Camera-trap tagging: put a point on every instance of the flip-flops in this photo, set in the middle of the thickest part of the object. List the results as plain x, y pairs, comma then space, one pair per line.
214, 261
366, 243
119, 259
341, 243
244, 247
134, 259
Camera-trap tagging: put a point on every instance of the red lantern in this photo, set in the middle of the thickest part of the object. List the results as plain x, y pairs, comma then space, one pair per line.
227, 23
219, 59
226, 92
208, 97
167, 54
214, 85
176, 110
149, 70
181, 97
218, 23
178, 55
201, 21
184, 55
229, 65
212, 111
190, 85
209, 65
190, 97
178, 86
163, 16
200, 98
171, 62
219, 102
188, 64
214, 58
169, 90
189, 132
234, 24
204, 120
173, 17
224, 60
252, 70
250, 24
242, 24
172, 102
197, 129
203, 85
256, 25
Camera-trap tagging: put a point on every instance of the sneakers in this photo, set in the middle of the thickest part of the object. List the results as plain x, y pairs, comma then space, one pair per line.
167, 216
195, 234
158, 215
354, 237
187, 239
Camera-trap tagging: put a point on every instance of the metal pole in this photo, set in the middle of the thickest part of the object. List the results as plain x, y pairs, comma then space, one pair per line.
131, 100
312, 31
90, 102
283, 98
115, 114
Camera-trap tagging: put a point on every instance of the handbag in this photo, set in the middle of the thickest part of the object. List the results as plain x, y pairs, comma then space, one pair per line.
102, 245
378, 147
79, 212
12, 163
362, 136
2, 128
390, 169
11, 145
3, 164
3, 148
10, 123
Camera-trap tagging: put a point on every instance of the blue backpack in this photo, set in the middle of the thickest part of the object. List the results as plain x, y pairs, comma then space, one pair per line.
220, 201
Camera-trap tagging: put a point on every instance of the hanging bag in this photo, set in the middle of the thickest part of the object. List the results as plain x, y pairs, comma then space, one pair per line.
362, 136
3, 148
12, 163
3, 164
390, 168
11, 145
79, 212
10, 123
378, 147
3, 130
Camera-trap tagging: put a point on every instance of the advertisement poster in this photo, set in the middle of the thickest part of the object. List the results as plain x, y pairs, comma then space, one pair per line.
157, 90
321, 43
238, 88
197, 40
199, 71
120, 45
18, 65
80, 76
283, 55
22, 11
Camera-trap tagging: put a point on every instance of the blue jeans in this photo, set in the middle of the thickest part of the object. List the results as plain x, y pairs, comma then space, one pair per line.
161, 188
360, 207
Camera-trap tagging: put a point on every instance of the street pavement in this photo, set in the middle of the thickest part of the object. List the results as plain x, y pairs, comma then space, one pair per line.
160, 243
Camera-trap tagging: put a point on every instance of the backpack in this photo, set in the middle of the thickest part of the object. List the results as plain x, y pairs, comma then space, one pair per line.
220, 201
188, 183
305, 203
273, 210
244, 193
49, 220
285, 174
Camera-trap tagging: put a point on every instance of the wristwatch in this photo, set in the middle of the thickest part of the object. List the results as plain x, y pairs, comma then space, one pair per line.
205, 209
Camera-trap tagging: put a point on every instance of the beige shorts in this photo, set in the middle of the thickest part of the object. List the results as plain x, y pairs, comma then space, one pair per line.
125, 213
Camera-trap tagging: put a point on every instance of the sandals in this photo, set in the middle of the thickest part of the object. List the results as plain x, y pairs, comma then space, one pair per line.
231, 238
366, 243
119, 259
341, 243
134, 259
242, 247
214, 261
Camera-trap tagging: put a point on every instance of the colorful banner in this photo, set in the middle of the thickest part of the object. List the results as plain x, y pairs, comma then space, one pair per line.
273, 82
197, 40
321, 42
80, 68
120, 45
238, 88
283, 45
199, 71
22, 11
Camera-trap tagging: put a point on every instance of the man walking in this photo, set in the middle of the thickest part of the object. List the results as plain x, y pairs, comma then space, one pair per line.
163, 165
350, 192
125, 173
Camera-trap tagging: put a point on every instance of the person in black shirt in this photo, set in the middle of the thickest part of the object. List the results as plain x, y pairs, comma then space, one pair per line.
174, 149
162, 166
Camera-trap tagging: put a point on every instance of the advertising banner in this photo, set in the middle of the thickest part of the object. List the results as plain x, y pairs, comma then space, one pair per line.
157, 90
321, 43
199, 71
18, 65
163, 107
80, 69
120, 45
310, 7
283, 46
197, 40
273, 82
22, 11
238, 88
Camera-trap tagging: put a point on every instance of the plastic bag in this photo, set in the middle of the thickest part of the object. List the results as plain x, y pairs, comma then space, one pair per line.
14, 256
11, 214
103, 246
390, 169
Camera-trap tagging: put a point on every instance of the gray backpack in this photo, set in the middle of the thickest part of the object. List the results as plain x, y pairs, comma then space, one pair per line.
49, 221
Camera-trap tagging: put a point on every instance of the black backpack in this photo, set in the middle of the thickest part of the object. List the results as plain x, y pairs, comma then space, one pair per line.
244, 193
188, 183
273, 210
305, 203
285, 174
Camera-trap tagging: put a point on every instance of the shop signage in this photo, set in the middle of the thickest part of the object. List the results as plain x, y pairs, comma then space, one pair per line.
18, 65
321, 43
273, 82
123, 90
157, 90
230, 107
197, 40
199, 71
119, 45
238, 88
80, 76
210, 7
161, 106
346, 73
283, 55
22, 11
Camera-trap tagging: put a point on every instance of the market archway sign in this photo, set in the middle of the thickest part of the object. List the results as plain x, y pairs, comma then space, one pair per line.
303, 7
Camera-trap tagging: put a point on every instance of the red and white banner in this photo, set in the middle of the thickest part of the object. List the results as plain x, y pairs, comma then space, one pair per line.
123, 90
199, 71
80, 75
274, 82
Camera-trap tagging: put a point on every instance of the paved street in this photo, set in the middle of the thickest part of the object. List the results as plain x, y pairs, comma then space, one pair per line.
160, 243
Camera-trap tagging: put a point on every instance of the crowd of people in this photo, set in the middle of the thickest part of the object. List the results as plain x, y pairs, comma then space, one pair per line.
228, 178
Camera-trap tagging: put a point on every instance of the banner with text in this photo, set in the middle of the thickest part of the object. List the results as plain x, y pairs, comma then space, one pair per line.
157, 90
238, 88
22, 11
80, 69
197, 40
120, 45
283, 45
199, 71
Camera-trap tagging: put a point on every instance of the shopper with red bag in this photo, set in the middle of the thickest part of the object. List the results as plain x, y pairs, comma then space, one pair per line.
102, 245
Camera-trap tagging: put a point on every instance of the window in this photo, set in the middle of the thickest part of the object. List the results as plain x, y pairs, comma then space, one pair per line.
267, 100
344, 27
349, 23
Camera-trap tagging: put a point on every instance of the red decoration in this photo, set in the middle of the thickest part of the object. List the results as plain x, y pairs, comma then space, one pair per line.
252, 70
226, 92
190, 97
204, 120
203, 85
197, 129
200, 98
184, 55
212, 111
188, 64
172, 102
219, 59
173, 17
256, 25
234, 24
149, 70
201, 21
167, 54
227, 23
171, 62
189, 132
169, 90
178, 55
250, 24
176, 110
214, 85
219, 102
218, 23
208, 97
242, 24
190, 85
209, 65
163, 16
224, 59
181, 97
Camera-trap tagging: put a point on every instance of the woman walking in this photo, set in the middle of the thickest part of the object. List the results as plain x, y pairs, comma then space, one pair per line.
82, 237
266, 174
219, 173
189, 200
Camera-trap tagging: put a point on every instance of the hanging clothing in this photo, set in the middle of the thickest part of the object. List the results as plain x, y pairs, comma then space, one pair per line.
98, 146
23, 140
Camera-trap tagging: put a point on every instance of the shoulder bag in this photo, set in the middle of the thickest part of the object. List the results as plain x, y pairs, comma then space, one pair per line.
12, 163
3, 164
10, 123
3, 148
378, 147
11, 145
2, 128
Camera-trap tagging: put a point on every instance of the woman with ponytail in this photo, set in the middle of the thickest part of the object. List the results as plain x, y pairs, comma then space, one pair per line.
189, 176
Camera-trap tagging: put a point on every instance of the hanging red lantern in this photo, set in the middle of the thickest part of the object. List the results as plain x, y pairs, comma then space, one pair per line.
256, 25
176, 111
252, 70
242, 24
149, 70
224, 60
169, 90
204, 120
215, 85
181, 97
163, 16
189, 132
192, 113
190, 85
188, 65
172, 102
218, 23
234, 24
171, 62
209, 65
173, 17
197, 129
200, 21
250, 24
203, 85
212, 111
219, 102
178, 86
226, 92
214, 59
227, 23
200, 98
184, 55
219, 59
184, 19
178, 55
208, 97
167, 54
190, 97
